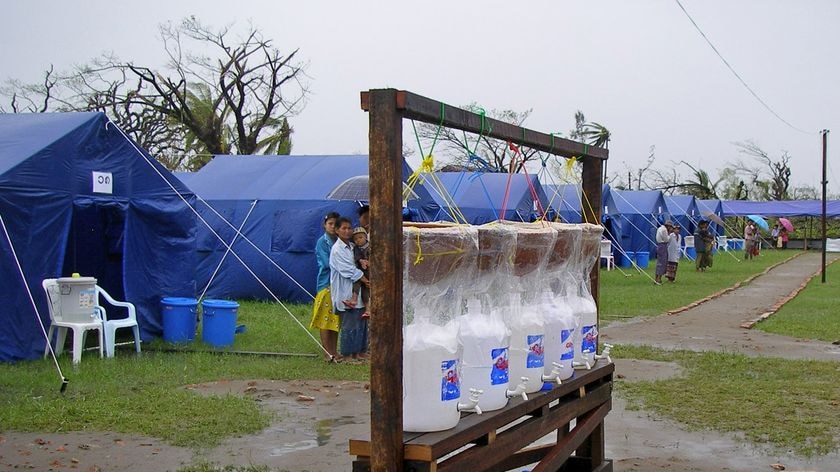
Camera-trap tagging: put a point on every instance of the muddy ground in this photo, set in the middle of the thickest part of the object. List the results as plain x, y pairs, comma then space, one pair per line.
315, 419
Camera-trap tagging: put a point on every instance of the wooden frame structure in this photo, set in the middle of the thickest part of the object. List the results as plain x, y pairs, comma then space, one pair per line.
387, 108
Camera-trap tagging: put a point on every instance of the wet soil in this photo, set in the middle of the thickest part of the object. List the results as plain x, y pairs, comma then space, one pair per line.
313, 420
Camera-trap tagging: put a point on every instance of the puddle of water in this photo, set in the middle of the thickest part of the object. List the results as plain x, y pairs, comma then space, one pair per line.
323, 428
292, 447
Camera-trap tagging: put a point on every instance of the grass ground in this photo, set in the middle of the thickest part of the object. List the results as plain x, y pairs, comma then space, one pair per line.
786, 405
813, 313
146, 395
631, 294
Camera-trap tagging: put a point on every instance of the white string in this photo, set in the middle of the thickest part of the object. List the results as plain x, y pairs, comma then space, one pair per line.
224, 256
31, 298
244, 264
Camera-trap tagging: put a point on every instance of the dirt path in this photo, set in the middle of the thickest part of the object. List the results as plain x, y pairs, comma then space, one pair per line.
315, 419
716, 324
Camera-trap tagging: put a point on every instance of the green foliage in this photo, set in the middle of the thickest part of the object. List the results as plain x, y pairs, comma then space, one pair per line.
787, 405
813, 313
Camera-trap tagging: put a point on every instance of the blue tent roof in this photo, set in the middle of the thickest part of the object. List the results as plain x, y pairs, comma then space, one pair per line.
786, 208
76, 195
480, 195
282, 201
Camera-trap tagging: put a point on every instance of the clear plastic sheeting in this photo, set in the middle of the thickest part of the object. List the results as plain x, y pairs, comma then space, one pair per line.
440, 264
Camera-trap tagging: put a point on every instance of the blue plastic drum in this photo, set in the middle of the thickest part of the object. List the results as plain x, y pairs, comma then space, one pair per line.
179, 319
218, 322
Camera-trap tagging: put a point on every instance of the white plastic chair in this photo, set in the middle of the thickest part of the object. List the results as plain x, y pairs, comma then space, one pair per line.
59, 325
111, 326
689, 242
606, 253
722, 243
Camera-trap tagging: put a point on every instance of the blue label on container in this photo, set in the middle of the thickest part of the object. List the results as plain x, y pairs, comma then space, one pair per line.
499, 372
536, 354
589, 336
450, 383
568, 345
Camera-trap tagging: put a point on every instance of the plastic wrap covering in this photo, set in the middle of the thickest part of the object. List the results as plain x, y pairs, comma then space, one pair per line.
440, 264
586, 341
496, 252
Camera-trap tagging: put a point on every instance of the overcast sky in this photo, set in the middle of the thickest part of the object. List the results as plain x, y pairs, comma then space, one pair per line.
638, 67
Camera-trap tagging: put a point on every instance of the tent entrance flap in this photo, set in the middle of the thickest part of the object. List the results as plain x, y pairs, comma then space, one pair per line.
96, 242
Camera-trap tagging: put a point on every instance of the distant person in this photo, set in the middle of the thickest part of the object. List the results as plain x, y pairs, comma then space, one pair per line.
662, 239
364, 218
361, 255
749, 240
784, 237
674, 240
324, 317
343, 273
774, 236
703, 246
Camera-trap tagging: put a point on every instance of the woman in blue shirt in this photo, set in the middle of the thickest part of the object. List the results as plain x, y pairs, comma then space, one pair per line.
324, 317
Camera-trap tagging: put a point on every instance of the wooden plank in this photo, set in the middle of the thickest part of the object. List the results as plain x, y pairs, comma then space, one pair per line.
473, 426
521, 435
561, 452
591, 186
386, 275
523, 457
417, 107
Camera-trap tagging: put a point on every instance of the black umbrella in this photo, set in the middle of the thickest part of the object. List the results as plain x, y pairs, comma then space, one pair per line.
356, 189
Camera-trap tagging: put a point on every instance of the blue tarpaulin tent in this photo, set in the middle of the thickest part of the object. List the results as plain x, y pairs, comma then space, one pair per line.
480, 196
289, 197
77, 196
684, 212
567, 199
639, 212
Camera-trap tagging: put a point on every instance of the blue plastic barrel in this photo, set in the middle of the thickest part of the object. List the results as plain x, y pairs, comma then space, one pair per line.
626, 259
179, 317
218, 322
739, 244
691, 253
642, 259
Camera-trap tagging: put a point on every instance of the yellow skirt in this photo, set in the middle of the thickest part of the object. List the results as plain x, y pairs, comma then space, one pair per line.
323, 316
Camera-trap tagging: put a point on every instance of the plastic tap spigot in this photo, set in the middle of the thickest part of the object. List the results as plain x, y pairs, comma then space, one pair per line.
554, 375
519, 391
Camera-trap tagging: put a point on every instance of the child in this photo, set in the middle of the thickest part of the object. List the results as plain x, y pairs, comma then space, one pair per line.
361, 252
674, 240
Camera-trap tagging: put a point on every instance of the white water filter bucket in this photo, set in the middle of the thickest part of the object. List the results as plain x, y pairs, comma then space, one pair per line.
431, 377
527, 344
485, 341
559, 325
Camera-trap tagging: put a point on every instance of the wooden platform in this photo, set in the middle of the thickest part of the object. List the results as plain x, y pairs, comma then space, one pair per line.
499, 440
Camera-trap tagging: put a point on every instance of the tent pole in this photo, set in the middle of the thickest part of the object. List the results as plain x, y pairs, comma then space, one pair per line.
824, 184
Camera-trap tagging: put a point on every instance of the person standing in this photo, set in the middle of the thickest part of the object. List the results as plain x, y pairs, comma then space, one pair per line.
662, 239
774, 236
324, 318
784, 237
703, 246
749, 240
674, 240
343, 273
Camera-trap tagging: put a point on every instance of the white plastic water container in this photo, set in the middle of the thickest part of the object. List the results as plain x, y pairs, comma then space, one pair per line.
431, 376
527, 344
559, 326
78, 299
486, 342
586, 340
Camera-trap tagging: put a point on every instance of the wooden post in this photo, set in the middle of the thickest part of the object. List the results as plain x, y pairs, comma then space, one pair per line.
386, 275
591, 186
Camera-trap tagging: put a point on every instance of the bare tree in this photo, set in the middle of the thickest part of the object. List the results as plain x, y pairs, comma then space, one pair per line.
771, 177
470, 152
236, 100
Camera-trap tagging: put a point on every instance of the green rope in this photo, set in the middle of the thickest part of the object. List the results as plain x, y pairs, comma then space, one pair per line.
483, 115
